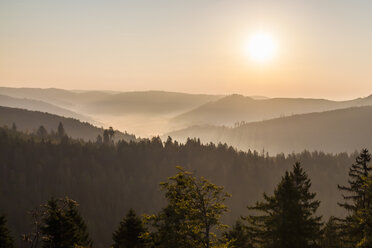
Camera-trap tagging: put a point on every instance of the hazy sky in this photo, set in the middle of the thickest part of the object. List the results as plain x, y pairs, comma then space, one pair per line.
324, 47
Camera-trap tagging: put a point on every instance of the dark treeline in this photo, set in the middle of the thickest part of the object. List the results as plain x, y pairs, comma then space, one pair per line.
108, 179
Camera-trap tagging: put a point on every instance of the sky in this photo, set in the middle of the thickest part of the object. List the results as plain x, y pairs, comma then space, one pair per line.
198, 46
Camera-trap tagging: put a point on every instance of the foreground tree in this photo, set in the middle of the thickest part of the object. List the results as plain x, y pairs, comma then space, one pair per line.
238, 236
288, 219
58, 224
357, 224
332, 234
194, 209
63, 226
130, 232
6, 239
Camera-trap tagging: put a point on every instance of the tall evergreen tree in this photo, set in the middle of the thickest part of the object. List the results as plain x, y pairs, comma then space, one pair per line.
63, 226
358, 172
14, 127
61, 130
6, 240
357, 202
288, 219
332, 237
42, 132
129, 233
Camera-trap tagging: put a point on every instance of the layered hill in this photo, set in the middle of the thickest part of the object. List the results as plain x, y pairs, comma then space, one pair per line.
30, 121
37, 105
331, 131
103, 102
237, 108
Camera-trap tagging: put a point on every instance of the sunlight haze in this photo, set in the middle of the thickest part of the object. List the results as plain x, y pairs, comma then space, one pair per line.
188, 46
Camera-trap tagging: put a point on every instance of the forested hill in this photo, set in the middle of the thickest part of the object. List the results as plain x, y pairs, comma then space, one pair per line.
37, 105
108, 179
331, 131
30, 121
237, 108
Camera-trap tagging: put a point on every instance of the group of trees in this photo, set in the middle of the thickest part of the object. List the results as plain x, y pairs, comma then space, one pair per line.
109, 178
287, 219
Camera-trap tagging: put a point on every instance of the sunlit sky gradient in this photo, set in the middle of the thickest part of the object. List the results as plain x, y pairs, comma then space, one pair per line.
197, 46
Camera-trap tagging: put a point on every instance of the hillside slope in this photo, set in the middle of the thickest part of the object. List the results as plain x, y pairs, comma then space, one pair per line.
37, 105
26, 120
103, 102
332, 131
237, 108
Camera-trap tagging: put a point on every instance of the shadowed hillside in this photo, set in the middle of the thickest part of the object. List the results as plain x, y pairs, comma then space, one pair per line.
331, 131
31, 120
41, 106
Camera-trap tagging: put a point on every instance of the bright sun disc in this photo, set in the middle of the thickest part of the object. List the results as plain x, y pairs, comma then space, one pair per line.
261, 47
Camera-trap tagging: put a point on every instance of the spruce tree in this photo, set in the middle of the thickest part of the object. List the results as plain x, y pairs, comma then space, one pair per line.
79, 227
14, 127
129, 233
332, 237
6, 240
359, 171
61, 131
288, 219
357, 201
63, 226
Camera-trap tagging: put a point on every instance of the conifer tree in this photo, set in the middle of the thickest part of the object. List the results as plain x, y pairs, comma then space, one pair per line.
63, 226
357, 201
42, 132
130, 232
14, 127
332, 237
364, 217
6, 239
288, 219
61, 130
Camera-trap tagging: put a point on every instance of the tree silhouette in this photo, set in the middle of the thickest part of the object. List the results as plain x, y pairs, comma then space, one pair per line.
6, 240
288, 219
129, 232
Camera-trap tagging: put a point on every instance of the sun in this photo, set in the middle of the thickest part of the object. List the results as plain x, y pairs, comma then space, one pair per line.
261, 47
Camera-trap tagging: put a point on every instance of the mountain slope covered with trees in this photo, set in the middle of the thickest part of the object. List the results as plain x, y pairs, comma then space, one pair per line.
331, 131
30, 121
108, 179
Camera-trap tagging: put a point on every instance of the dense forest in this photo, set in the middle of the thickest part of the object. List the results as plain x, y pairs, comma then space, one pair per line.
328, 131
107, 178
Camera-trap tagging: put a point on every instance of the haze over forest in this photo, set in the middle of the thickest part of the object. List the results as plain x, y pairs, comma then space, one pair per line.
185, 124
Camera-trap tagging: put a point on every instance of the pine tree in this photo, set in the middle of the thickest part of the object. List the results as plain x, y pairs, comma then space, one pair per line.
14, 127
364, 217
129, 233
332, 237
288, 219
357, 202
61, 131
6, 240
358, 172
42, 132
80, 229
63, 226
